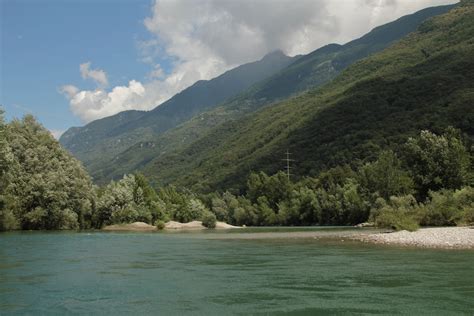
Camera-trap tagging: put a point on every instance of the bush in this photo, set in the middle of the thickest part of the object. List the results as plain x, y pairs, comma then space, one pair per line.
449, 208
392, 219
209, 220
160, 224
401, 213
442, 210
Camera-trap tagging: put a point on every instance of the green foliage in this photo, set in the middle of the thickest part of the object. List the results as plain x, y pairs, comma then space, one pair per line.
128, 200
385, 177
438, 162
209, 220
400, 213
46, 188
449, 208
220, 209
192, 210
275, 188
160, 224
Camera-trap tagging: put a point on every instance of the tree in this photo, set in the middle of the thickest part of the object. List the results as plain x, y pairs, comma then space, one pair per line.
128, 200
209, 220
301, 209
47, 188
437, 161
398, 213
220, 209
7, 218
275, 188
385, 177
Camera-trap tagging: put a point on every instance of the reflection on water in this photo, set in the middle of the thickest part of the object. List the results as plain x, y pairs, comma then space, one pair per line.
209, 273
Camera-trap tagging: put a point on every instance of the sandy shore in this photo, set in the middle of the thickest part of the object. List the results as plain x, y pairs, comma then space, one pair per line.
442, 237
141, 226
196, 225
137, 226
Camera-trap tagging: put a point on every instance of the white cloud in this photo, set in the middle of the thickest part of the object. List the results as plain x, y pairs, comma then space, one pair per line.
69, 90
91, 105
98, 75
157, 72
204, 38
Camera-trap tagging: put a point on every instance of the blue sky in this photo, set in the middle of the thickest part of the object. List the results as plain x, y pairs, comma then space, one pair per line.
44, 42
69, 62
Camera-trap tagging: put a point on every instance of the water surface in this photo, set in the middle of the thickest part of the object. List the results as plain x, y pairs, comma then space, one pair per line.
200, 273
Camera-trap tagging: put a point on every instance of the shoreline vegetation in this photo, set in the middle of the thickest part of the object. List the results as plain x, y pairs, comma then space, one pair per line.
427, 183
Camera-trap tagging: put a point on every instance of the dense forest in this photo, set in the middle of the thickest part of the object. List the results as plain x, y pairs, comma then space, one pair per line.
429, 182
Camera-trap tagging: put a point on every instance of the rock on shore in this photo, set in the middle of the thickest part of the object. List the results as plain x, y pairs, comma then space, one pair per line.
442, 237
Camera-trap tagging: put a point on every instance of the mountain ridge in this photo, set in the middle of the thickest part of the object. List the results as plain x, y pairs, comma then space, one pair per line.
308, 71
423, 81
104, 137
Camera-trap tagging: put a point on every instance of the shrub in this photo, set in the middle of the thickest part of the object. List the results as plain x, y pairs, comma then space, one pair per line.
401, 213
160, 224
209, 220
390, 218
448, 208
442, 210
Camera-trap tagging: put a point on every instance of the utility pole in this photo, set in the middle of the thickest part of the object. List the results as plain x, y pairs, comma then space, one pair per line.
288, 160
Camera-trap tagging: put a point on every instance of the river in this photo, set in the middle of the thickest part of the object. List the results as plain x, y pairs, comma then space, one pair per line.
60, 273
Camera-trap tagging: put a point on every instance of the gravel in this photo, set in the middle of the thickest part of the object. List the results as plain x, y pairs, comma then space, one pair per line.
442, 237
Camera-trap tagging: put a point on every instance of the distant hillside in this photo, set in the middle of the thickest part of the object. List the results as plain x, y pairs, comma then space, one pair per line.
425, 81
102, 139
309, 71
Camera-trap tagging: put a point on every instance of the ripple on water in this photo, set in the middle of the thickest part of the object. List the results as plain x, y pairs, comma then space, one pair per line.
198, 273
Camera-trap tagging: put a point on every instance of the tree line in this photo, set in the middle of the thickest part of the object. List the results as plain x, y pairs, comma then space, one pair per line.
428, 182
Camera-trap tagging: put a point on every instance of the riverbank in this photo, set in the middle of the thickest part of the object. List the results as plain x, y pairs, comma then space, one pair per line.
171, 225
439, 237
137, 226
196, 225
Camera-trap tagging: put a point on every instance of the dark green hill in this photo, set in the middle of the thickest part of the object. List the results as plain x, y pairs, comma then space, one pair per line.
101, 140
425, 81
307, 72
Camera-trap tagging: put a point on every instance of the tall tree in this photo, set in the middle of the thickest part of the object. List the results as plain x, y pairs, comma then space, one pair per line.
49, 188
385, 176
438, 161
7, 219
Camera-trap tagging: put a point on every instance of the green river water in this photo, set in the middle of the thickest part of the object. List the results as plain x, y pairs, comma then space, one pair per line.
213, 273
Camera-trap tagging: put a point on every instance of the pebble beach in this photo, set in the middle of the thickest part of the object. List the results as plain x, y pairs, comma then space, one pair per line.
440, 237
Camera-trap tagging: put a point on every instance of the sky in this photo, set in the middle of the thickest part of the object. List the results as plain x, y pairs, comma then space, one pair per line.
69, 62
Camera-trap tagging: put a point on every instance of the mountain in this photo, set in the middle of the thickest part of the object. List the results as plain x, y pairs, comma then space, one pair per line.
100, 140
424, 81
307, 72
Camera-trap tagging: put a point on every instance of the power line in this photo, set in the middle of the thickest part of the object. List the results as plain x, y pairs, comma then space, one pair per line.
288, 167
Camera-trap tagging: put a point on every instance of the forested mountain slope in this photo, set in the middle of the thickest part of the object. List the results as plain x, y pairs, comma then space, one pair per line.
306, 72
102, 139
425, 81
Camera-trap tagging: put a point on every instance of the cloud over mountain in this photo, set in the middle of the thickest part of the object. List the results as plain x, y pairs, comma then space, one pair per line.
204, 38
